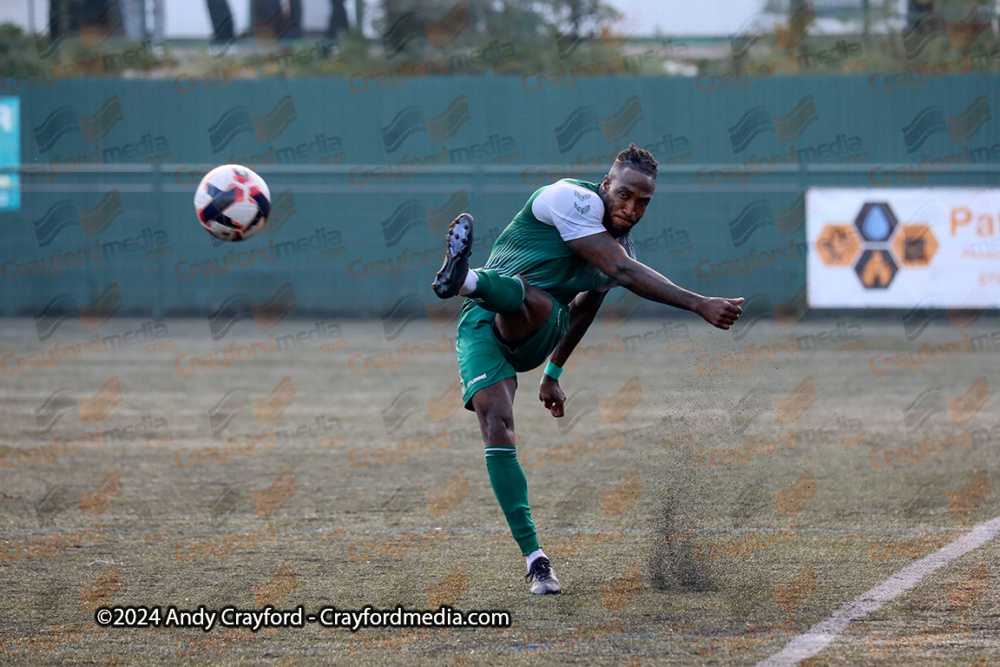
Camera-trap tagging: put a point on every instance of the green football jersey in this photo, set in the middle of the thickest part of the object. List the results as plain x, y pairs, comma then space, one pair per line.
534, 244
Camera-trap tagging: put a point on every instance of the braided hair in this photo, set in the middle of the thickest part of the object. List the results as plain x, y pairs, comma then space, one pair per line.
639, 159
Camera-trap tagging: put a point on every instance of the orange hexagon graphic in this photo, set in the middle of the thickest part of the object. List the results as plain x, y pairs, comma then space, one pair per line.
838, 245
915, 245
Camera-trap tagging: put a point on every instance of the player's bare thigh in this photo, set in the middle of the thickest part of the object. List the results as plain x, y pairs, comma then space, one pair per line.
494, 405
528, 319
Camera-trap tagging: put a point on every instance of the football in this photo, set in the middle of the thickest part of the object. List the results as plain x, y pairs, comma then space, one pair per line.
232, 202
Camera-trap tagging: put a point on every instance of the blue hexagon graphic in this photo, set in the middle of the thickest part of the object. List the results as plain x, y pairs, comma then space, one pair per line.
876, 222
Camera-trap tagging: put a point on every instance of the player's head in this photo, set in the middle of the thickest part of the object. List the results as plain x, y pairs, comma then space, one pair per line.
627, 189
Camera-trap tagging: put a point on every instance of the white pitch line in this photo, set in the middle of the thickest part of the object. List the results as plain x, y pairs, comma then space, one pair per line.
824, 632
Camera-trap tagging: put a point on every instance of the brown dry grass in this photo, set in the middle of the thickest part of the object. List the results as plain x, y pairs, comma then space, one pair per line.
646, 597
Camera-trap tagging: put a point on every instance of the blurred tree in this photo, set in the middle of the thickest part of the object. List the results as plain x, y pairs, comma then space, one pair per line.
581, 17
509, 19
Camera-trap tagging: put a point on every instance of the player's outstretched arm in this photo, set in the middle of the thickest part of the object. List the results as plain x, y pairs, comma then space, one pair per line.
603, 252
582, 311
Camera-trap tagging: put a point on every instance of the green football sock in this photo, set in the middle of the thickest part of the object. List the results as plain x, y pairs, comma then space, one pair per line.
511, 489
496, 293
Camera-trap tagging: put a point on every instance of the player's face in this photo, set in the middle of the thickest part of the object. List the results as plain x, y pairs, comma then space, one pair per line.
626, 194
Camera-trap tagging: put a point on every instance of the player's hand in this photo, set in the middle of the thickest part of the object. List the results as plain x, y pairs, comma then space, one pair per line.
721, 312
551, 395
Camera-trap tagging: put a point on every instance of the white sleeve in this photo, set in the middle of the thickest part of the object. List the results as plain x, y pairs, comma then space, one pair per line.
574, 211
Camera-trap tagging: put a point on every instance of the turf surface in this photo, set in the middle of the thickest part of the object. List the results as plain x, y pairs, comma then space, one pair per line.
667, 534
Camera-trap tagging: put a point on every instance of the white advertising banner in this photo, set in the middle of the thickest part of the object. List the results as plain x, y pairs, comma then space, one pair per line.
901, 248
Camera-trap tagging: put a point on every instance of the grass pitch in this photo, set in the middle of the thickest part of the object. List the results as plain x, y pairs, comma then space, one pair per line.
698, 508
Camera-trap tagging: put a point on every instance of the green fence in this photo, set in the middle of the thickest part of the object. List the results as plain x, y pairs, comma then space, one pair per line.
365, 181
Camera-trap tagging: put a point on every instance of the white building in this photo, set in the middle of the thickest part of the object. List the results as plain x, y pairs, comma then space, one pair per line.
183, 19
189, 19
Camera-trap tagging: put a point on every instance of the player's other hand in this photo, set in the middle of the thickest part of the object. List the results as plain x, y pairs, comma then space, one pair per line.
551, 395
721, 312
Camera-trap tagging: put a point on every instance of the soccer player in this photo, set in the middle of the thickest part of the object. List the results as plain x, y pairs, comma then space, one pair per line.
538, 294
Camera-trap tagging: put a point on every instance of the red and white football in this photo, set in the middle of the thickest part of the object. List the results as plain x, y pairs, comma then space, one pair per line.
232, 202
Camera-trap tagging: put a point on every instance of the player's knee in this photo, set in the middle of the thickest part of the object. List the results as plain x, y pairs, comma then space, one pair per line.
497, 427
500, 421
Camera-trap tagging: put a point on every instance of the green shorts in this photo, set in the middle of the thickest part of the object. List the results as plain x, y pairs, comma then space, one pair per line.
484, 360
